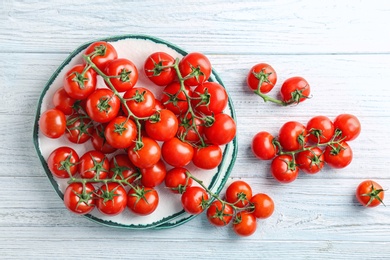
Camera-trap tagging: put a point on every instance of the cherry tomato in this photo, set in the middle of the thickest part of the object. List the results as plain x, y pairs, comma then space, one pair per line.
176, 180
263, 205
121, 132
94, 164
175, 99
121, 168
263, 73
63, 161
123, 74
79, 128
189, 129
196, 68
210, 98
99, 141
78, 198
222, 131
292, 136
295, 90
176, 152
102, 105
239, 193
159, 69
320, 129
112, 199
153, 176
369, 193
349, 126
284, 168
244, 224
140, 101
52, 123
78, 83
194, 200
142, 200
219, 214
62, 101
101, 53
162, 125
310, 161
145, 155
263, 146
208, 157
338, 155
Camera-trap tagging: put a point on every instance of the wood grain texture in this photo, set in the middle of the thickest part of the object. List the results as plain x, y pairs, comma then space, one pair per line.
340, 48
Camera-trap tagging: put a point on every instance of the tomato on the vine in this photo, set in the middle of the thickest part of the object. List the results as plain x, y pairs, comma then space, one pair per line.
101, 53
121, 132
176, 152
194, 200
158, 67
94, 164
79, 198
79, 128
99, 141
338, 155
195, 68
221, 131
140, 101
176, 180
175, 99
112, 199
207, 157
310, 161
52, 123
263, 205
121, 168
263, 146
292, 136
162, 125
238, 193
63, 162
153, 176
144, 154
370, 193
263, 73
62, 101
190, 128
244, 223
123, 74
320, 129
219, 214
349, 126
102, 105
284, 169
209, 98
80, 83
295, 90
142, 200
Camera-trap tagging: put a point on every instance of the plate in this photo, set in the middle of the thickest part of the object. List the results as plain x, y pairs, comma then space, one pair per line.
169, 212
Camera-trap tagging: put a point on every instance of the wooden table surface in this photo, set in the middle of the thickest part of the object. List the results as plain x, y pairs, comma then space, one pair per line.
341, 47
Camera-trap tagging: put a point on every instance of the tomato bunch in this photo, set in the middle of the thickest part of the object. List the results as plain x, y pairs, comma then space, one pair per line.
136, 135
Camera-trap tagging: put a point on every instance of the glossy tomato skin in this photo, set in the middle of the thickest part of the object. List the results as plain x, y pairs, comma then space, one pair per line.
177, 153
338, 155
349, 125
153, 176
194, 200
219, 214
208, 157
99, 141
62, 101
263, 72
80, 86
142, 200
320, 129
244, 224
123, 72
175, 99
162, 126
121, 132
122, 168
140, 101
295, 90
79, 199
101, 53
63, 161
239, 193
196, 67
102, 105
310, 161
156, 68
263, 146
94, 164
147, 156
370, 193
210, 98
284, 169
222, 131
190, 131
112, 199
292, 136
79, 129
263, 205
52, 123
176, 180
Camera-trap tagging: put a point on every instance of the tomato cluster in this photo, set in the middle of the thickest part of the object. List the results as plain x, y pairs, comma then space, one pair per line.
307, 148
136, 135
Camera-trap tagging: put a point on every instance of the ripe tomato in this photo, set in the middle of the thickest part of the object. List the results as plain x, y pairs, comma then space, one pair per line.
62, 162
112, 199
338, 155
244, 224
263, 205
176, 180
263, 73
239, 193
190, 131
263, 146
159, 69
177, 153
310, 161
369, 193
123, 74
102, 105
320, 129
101, 53
79, 128
219, 214
121, 132
349, 126
142, 200
209, 98
195, 68
284, 168
140, 101
62, 101
79, 84
194, 200
121, 168
208, 157
145, 156
295, 90
292, 136
222, 131
94, 164
162, 126
153, 176
78, 198
52, 123
99, 141
175, 99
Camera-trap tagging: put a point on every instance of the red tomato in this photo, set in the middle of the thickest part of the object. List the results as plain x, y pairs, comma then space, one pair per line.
153, 176
239, 193
145, 155
284, 169
369, 193
162, 126
244, 224
140, 101
102, 105
175, 99
222, 131
62, 101
94, 164
208, 157
79, 128
219, 214
176, 152
121, 168
78, 198
176, 180
292, 136
159, 69
263, 73
310, 161
99, 141
142, 200
62, 162
121, 132
123, 74
52, 123
189, 129
263, 146
295, 90
194, 200
101, 53
112, 199
78, 83
263, 205
195, 68
338, 155
320, 129
210, 98
349, 126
